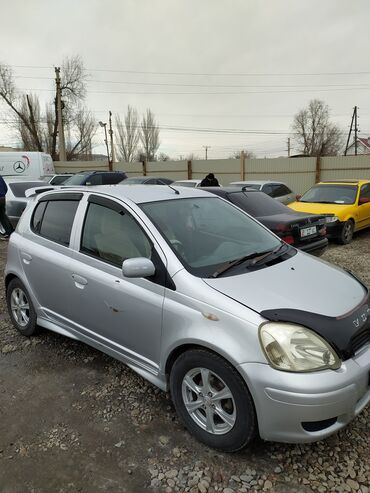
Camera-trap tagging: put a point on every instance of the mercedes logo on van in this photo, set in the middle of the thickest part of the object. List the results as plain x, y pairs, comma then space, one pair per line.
19, 167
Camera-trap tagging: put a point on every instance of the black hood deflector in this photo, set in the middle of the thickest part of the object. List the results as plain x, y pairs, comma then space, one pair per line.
346, 333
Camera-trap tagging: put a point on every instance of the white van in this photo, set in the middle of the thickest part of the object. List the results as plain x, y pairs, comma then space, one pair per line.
26, 164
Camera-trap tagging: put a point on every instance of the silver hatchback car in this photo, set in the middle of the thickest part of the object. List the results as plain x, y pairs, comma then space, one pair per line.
196, 296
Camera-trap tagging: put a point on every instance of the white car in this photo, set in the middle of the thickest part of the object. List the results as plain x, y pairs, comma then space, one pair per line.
275, 189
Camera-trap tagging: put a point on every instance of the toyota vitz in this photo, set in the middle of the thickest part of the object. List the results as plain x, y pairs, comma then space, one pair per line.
195, 295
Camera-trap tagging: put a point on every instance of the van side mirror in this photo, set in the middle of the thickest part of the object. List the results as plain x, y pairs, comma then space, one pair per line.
138, 267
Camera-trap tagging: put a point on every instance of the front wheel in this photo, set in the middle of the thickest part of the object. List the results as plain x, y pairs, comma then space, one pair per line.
20, 308
212, 400
347, 232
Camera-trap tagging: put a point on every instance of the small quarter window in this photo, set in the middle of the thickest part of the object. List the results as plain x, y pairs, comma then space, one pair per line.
37, 217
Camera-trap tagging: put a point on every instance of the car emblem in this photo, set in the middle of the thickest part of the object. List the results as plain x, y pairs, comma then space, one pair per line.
19, 166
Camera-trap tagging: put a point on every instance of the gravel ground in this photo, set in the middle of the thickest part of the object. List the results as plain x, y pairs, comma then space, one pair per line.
75, 420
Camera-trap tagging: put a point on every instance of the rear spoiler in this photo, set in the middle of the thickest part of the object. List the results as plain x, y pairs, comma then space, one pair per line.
30, 192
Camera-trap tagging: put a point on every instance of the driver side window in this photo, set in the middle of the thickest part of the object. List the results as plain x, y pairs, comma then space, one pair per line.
113, 235
365, 191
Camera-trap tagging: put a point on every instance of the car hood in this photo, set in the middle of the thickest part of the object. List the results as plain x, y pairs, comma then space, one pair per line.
300, 283
316, 208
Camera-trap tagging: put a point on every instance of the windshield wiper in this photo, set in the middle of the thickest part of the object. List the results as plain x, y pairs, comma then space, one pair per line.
267, 254
240, 260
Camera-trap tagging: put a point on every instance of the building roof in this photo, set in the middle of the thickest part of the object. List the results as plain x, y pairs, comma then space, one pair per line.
365, 141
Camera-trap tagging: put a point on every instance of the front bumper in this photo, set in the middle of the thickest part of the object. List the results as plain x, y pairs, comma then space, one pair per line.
334, 230
306, 407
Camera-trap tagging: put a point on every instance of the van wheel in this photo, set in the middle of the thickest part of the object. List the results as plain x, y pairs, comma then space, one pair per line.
20, 308
212, 400
346, 234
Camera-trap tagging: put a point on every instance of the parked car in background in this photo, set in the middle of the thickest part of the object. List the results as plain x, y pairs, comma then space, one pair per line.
187, 183
304, 231
16, 200
346, 202
147, 180
58, 179
277, 190
96, 178
248, 334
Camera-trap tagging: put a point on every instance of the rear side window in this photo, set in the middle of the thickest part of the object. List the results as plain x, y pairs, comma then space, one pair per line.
96, 179
280, 190
54, 219
113, 178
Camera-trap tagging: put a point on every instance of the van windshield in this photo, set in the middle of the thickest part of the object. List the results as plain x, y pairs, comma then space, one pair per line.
207, 232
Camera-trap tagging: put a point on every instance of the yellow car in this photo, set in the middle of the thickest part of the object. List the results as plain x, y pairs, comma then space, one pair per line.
346, 203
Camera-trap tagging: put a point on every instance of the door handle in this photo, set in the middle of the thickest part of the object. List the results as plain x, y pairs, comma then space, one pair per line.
26, 257
80, 282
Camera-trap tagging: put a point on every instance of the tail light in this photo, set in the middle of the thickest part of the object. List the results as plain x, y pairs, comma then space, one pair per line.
281, 228
288, 239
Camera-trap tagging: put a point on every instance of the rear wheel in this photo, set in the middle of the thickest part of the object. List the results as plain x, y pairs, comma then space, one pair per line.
212, 400
20, 308
347, 232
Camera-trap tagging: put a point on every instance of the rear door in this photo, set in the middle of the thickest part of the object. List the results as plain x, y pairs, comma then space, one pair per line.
47, 257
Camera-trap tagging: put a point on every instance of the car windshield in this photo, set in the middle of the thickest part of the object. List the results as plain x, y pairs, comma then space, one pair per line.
331, 194
207, 232
257, 204
77, 179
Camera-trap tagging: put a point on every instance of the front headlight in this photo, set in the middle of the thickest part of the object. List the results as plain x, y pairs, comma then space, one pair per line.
294, 348
331, 219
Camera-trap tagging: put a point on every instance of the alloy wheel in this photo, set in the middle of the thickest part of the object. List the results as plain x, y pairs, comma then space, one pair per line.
209, 401
20, 307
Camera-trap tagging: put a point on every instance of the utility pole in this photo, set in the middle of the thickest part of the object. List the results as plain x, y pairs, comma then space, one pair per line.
62, 144
112, 160
206, 148
288, 146
355, 129
104, 125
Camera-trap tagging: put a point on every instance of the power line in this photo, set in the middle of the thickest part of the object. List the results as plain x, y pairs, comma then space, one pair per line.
210, 74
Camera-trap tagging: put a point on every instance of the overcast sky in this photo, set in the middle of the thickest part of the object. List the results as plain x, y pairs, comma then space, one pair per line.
226, 74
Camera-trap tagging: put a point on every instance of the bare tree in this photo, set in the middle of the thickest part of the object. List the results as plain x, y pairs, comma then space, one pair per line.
80, 138
149, 136
247, 154
38, 130
314, 133
128, 135
163, 157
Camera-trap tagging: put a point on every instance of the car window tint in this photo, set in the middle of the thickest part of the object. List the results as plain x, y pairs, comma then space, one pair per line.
19, 189
152, 181
257, 204
37, 217
284, 190
57, 220
113, 236
277, 190
365, 191
267, 189
96, 179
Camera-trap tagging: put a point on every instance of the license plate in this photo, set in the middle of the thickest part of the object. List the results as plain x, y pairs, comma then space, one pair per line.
308, 231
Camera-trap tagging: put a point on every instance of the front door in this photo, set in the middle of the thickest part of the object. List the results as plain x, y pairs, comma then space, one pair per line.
125, 315
364, 209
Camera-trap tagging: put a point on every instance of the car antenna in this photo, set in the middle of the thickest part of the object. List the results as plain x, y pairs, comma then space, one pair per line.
174, 189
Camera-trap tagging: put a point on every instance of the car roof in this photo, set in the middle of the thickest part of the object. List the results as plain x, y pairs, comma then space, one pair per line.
343, 182
258, 182
187, 181
138, 194
225, 190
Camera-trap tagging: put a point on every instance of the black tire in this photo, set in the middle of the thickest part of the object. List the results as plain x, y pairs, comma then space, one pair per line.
26, 322
245, 426
346, 234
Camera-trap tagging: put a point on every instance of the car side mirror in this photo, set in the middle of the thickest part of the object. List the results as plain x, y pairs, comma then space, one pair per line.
138, 267
298, 197
363, 200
